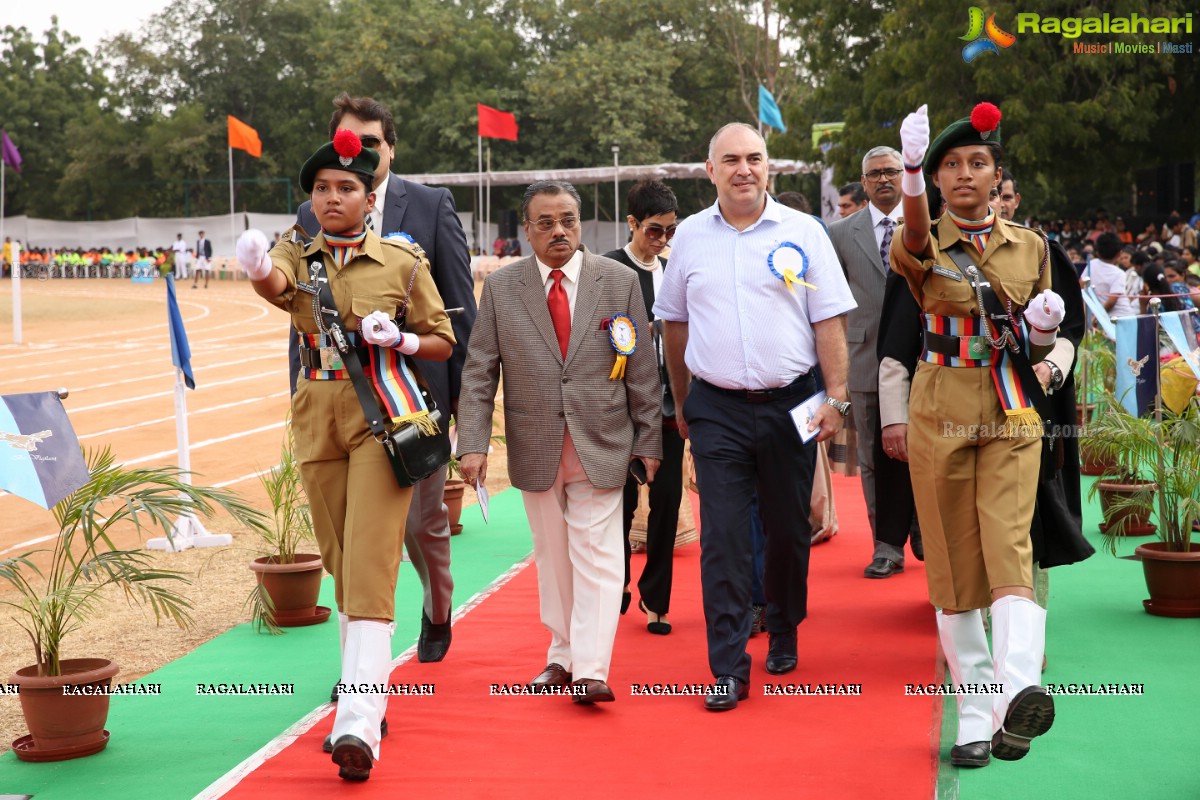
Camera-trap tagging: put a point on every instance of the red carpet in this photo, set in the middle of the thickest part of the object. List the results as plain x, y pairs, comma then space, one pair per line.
461, 742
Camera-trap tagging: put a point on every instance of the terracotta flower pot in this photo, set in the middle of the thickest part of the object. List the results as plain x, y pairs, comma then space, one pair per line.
1173, 579
1092, 464
62, 725
293, 588
452, 496
1136, 521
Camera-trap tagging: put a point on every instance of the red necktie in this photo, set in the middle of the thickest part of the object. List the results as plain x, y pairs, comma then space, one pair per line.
560, 311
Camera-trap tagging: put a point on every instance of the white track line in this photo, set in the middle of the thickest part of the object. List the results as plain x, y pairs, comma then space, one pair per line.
41, 539
147, 423
230, 779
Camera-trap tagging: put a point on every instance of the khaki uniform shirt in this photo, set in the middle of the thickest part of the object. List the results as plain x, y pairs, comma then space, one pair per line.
375, 280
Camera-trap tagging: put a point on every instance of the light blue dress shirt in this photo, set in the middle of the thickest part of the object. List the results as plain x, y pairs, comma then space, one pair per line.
745, 329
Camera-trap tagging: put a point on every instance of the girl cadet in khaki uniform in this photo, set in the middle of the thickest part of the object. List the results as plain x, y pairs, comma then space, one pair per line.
357, 506
974, 438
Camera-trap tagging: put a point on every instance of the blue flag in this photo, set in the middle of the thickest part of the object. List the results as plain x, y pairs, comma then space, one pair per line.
40, 458
181, 354
1137, 363
768, 110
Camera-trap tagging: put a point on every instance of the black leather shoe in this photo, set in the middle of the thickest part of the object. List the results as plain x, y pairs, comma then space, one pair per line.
327, 745
917, 544
972, 754
626, 598
724, 696
758, 619
333, 694
882, 568
434, 640
1030, 714
552, 675
781, 652
354, 757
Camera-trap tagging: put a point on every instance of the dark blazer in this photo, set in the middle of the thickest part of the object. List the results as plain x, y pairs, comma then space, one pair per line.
204, 247
514, 341
426, 214
854, 240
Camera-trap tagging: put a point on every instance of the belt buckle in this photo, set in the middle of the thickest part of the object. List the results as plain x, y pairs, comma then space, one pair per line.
972, 347
331, 359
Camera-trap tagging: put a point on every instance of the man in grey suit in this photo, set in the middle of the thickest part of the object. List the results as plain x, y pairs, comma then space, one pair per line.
554, 326
425, 215
862, 241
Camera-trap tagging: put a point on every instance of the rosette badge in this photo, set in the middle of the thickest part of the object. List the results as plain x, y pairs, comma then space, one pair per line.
789, 263
623, 335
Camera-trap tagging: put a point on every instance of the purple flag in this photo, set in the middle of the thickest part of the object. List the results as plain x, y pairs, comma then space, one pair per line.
9, 151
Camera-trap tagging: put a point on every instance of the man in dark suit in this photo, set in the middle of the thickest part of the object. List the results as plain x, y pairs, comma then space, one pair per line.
862, 241
203, 260
427, 216
550, 325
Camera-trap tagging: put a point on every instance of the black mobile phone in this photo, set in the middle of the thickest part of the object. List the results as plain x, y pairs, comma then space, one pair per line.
638, 470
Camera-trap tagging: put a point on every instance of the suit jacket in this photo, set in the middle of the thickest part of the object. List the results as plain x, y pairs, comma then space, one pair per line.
204, 247
854, 240
426, 214
610, 420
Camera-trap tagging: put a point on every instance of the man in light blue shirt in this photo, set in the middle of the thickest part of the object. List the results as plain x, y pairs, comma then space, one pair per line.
755, 299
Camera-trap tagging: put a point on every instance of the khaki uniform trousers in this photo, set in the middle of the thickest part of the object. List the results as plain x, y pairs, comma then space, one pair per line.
974, 492
358, 510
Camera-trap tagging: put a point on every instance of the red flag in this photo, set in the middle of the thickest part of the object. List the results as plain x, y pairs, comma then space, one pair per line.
243, 137
496, 124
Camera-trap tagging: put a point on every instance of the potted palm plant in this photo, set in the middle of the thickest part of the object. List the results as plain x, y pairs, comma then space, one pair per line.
1095, 378
288, 582
1164, 448
65, 700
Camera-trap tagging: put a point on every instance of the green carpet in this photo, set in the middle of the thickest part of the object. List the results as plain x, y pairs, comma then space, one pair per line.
1114, 746
174, 745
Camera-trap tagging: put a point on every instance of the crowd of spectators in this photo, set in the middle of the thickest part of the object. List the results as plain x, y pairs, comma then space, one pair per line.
95, 262
1127, 270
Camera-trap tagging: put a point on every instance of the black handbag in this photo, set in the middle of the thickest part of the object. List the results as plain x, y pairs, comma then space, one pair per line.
413, 454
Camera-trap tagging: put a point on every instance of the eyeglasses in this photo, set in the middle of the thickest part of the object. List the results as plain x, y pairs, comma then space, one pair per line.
658, 231
372, 142
877, 174
546, 224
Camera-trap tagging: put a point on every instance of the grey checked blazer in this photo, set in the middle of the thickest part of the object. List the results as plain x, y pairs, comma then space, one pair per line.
854, 240
514, 339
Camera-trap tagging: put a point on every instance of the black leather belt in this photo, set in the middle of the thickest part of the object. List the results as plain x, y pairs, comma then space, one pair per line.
798, 387
972, 347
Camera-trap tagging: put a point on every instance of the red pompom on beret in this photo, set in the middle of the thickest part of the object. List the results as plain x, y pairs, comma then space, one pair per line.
985, 118
348, 145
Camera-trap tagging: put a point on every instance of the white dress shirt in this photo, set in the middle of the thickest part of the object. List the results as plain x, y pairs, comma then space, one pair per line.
570, 282
745, 329
377, 209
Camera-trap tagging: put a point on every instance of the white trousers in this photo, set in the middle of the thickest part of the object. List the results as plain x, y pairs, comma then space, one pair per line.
581, 566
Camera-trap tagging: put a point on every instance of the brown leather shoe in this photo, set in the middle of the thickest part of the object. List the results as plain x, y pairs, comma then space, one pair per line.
552, 675
592, 691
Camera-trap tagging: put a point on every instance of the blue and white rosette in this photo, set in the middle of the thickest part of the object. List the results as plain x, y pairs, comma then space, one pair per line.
789, 263
622, 333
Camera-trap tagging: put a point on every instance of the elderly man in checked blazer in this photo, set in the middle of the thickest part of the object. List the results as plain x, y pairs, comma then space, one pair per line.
559, 326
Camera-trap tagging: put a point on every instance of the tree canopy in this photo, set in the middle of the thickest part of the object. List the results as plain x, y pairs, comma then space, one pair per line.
138, 125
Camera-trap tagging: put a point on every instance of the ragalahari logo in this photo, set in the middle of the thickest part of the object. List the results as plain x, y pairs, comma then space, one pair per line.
984, 37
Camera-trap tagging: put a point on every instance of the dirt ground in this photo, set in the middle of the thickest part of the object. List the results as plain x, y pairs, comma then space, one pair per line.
106, 342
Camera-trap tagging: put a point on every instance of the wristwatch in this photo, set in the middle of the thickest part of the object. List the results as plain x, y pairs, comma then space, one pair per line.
842, 406
1056, 377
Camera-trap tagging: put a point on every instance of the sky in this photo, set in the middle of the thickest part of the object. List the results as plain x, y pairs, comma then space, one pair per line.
90, 20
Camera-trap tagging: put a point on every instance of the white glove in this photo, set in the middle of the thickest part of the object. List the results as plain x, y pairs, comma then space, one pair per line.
252, 247
914, 141
378, 329
1044, 314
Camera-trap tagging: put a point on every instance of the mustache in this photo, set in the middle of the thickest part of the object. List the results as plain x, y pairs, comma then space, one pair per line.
560, 240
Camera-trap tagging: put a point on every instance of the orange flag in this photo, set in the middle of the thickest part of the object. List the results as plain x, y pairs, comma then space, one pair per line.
243, 137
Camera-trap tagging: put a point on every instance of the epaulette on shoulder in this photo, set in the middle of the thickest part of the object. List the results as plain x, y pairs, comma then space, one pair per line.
410, 247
